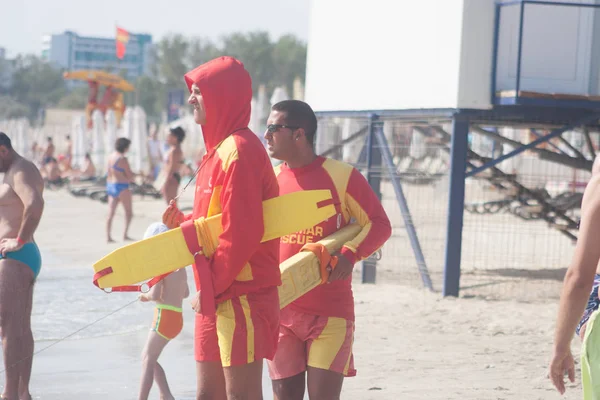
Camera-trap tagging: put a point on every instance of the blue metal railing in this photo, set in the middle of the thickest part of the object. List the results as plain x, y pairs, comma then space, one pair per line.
497, 24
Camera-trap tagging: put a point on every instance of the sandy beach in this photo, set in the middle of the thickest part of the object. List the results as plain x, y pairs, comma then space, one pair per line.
409, 344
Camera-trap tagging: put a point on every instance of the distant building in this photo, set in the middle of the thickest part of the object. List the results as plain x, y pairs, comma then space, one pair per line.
7, 68
72, 52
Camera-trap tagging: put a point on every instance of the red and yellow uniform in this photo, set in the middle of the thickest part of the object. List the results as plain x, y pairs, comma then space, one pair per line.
235, 178
318, 328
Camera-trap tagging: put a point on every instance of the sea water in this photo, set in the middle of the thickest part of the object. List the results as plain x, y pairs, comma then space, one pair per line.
90, 342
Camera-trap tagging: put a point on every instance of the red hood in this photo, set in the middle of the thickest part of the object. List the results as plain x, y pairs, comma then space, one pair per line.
226, 88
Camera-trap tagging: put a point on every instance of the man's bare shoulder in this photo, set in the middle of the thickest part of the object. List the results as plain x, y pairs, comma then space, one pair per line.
591, 196
28, 172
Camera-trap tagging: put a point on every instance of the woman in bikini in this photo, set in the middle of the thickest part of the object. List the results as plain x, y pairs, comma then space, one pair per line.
174, 159
117, 186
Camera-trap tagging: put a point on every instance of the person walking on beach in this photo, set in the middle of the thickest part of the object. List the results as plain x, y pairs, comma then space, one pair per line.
119, 176
168, 294
235, 178
316, 331
172, 166
579, 300
21, 208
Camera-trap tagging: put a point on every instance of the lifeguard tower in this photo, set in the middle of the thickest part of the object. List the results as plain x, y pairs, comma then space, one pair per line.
457, 71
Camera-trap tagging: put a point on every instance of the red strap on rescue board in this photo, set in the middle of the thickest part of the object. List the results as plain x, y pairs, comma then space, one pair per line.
144, 287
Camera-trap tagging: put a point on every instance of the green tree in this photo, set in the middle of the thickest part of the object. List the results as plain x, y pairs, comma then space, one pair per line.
10, 108
289, 59
255, 50
36, 84
75, 99
172, 60
150, 95
201, 51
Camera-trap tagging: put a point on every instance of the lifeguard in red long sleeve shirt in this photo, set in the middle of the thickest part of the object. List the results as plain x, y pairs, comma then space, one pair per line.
317, 330
235, 177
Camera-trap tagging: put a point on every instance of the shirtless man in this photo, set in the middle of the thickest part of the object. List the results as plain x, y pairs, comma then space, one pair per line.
579, 298
48, 152
173, 163
21, 207
168, 322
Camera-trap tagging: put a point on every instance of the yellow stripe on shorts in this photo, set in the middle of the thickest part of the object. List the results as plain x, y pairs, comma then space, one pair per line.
326, 347
249, 328
225, 330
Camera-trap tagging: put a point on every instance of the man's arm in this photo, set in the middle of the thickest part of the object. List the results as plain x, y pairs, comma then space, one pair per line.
242, 221
364, 206
366, 209
27, 184
577, 283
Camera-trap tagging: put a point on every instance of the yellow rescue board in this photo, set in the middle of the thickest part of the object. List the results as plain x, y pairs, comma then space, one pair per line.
302, 272
168, 251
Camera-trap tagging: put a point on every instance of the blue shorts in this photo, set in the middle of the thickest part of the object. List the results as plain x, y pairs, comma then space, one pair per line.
592, 305
115, 189
29, 255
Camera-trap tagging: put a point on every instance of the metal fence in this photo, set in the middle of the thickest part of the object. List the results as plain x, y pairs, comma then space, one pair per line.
508, 250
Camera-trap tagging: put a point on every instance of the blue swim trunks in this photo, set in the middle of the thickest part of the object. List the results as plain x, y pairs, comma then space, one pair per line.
29, 255
592, 305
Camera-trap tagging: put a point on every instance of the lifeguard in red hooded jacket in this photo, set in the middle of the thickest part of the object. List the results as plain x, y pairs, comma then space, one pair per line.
235, 177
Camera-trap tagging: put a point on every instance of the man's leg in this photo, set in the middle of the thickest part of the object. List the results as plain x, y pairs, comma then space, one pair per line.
248, 329
15, 287
329, 357
291, 388
209, 371
324, 384
211, 381
244, 382
154, 347
28, 347
288, 367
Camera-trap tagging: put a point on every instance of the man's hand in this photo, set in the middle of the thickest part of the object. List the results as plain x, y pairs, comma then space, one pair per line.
143, 298
172, 217
196, 303
9, 245
562, 361
342, 270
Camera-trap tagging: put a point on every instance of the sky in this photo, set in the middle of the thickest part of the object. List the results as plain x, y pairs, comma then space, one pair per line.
24, 22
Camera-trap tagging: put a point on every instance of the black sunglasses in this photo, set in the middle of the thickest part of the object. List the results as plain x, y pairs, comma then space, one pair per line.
272, 128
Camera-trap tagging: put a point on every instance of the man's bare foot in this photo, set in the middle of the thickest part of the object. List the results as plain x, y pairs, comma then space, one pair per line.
167, 397
109, 240
127, 238
26, 397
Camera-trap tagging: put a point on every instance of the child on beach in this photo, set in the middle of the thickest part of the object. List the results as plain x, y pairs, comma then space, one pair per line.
168, 322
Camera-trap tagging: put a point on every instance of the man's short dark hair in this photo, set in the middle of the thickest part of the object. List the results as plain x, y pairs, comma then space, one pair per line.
68, 137
179, 133
122, 144
5, 141
298, 113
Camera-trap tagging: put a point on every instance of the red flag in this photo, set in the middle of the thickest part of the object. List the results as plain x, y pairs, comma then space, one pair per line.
122, 39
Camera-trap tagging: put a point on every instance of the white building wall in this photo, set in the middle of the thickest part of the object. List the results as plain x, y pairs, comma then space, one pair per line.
411, 54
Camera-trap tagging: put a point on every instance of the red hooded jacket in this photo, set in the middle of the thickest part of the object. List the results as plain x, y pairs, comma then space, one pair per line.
235, 178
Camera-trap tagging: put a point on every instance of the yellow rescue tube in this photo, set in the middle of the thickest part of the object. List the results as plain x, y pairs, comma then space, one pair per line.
168, 251
302, 272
